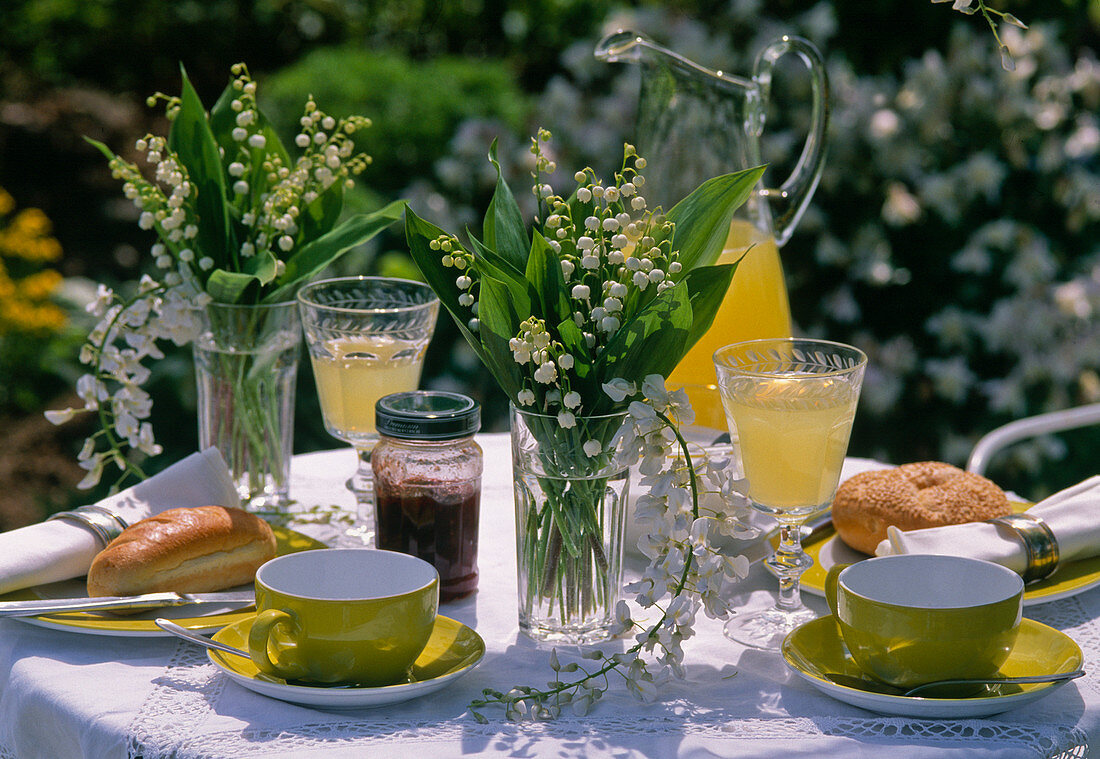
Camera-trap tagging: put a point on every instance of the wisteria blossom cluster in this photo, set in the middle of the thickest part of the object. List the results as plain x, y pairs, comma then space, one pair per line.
125, 335
237, 220
971, 7
690, 496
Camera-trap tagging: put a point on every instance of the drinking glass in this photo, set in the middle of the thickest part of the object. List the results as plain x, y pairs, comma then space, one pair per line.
789, 404
366, 338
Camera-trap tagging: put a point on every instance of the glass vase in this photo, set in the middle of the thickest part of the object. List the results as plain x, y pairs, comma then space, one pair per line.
246, 365
570, 508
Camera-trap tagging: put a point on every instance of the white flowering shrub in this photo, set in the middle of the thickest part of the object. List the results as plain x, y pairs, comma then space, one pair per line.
954, 239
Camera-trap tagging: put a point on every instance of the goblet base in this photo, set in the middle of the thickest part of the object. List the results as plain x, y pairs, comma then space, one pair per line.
766, 629
362, 531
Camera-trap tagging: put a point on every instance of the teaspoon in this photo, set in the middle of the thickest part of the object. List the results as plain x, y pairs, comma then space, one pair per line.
1052, 678
874, 686
202, 640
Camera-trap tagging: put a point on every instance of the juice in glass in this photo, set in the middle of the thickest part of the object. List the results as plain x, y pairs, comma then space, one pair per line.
357, 372
755, 306
793, 436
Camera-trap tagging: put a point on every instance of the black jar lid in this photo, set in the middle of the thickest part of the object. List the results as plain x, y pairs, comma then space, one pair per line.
427, 415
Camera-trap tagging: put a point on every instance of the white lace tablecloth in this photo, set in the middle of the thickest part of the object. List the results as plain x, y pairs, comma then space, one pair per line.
66, 694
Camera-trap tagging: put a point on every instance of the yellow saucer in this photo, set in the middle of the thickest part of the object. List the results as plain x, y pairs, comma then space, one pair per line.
453, 650
815, 652
1071, 578
141, 625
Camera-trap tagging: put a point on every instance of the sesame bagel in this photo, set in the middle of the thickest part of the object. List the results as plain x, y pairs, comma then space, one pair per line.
912, 497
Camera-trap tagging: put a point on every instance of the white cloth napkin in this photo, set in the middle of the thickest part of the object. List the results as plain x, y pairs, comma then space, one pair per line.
1073, 515
59, 549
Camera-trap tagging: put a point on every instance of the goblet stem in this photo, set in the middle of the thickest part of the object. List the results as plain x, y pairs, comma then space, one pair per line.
767, 628
788, 563
362, 485
362, 482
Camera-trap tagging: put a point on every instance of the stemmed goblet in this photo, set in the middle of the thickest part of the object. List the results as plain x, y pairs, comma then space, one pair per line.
789, 404
366, 338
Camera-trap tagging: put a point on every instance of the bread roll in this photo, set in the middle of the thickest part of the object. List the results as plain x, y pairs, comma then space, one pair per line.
912, 497
191, 550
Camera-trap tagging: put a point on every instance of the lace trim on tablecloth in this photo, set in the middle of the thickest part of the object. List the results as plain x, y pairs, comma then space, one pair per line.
1041, 741
187, 691
185, 695
180, 700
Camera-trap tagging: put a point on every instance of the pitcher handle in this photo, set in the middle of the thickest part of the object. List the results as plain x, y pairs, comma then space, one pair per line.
794, 194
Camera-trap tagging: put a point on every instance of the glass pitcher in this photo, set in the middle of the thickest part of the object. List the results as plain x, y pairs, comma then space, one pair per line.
695, 123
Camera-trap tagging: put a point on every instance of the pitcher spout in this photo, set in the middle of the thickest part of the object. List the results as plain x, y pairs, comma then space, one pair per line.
623, 45
626, 46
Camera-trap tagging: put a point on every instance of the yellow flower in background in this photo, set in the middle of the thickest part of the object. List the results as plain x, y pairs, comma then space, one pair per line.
27, 236
26, 289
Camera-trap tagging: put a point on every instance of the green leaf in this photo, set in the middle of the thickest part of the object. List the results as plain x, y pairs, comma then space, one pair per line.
572, 339
499, 323
495, 264
496, 304
232, 286
191, 139
585, 381
703, 218
503, 228
322, 214
545, 278
263, 266
652, 343
707, 286
314, 256
244, 286
492, 265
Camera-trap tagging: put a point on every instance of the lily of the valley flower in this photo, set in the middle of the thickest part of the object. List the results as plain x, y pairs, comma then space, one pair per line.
268, 207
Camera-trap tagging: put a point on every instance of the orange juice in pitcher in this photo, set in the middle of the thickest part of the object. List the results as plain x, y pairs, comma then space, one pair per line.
755, 306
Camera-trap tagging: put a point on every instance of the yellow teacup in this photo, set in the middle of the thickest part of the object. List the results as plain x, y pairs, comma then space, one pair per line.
914, 619
343, 615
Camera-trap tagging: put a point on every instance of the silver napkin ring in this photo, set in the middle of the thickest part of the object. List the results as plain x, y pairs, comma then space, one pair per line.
1039, 543
106, 524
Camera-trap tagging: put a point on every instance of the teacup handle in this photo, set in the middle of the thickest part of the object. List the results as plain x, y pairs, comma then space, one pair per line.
831, 580
287, 665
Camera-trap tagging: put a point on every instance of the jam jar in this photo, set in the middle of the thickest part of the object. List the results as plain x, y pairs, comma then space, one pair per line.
427, 483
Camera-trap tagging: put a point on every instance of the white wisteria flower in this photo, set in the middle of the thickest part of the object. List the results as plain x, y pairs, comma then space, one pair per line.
972, 7
687, 495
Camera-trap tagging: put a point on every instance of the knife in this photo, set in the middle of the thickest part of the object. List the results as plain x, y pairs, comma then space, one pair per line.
236, 598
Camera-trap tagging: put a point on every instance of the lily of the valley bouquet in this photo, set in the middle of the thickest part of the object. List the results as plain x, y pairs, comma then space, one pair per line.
579, 319
240, 221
